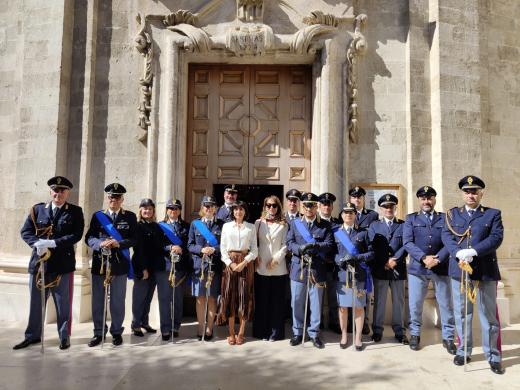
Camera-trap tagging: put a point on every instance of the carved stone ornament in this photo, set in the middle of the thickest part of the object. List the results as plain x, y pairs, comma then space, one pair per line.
250, 11
250, 39
357, 47
144, 45
317, 23
318, 17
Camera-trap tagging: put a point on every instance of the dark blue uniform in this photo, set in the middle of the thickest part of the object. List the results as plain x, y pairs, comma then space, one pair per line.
196, 242
387, 242
67, 229
126, 224
487, 233
422, 237
321, 231
365, 217
332, 300
162, 271
360, 240
224, 214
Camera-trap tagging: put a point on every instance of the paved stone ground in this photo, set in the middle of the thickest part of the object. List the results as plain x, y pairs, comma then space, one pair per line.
149, 363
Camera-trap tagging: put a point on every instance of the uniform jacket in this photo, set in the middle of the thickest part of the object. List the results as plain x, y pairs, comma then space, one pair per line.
196, 242
224, 214
359, 238
422, 237
366, 218
487, 233
67, 229
387, 243
184, 265
330, 265
126, 224
321, 231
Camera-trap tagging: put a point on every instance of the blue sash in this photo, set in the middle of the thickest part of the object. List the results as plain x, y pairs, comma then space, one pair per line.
112, 232
170, 233
344, 239
304, 232
206, 233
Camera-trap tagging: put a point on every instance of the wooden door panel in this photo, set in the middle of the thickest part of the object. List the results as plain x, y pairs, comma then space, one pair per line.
247, 125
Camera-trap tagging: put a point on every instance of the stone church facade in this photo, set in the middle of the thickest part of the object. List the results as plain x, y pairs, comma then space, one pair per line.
174, 97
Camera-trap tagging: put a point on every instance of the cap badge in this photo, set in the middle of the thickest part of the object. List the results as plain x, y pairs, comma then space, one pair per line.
58, 180
309, 196
115, 186
357, 188
387, 197
426, 188
470, 180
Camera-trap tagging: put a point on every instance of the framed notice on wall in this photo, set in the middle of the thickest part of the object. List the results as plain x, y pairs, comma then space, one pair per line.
376, 190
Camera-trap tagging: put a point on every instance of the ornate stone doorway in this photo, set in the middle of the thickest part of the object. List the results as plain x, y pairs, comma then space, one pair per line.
247, 125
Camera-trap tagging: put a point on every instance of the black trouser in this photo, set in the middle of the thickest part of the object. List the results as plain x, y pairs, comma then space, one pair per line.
268, 320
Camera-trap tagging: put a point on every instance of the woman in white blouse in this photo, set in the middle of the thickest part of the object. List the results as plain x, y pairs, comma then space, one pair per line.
239, 250
271, 272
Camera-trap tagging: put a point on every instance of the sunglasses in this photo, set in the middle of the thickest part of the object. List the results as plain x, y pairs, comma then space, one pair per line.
271, 205
208, 205
309, 205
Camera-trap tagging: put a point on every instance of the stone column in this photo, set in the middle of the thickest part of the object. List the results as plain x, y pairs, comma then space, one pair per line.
455, 95
331, 124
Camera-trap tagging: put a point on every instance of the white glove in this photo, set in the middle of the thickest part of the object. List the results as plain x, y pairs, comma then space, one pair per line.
41, 250
471, 253
44, 244
461, 254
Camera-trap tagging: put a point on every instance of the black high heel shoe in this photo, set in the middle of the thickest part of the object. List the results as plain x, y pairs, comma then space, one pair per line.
359, 347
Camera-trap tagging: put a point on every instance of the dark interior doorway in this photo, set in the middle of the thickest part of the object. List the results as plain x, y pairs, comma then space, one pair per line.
253, 195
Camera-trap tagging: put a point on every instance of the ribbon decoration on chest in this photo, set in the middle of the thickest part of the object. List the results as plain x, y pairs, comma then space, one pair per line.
304, 232
170, 233
111, 230
344, 239
206, 233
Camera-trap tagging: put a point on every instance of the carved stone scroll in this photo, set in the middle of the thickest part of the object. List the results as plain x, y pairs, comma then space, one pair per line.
318, 17
144, 45
357, 47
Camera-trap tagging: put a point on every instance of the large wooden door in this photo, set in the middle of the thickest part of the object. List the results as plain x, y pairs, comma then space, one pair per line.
247, 125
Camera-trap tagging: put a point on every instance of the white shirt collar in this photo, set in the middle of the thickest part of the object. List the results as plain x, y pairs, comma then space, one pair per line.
388, 220
469, 208
309, 220
55, 207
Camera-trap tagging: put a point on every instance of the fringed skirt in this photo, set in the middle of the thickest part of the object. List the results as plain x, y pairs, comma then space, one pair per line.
237, 291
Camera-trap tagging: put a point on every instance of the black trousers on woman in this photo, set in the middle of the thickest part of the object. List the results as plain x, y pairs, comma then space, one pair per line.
268, 321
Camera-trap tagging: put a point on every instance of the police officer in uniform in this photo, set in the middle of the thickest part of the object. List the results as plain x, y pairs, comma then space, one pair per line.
230, 197
472, 235
364, 217
326, 205
308, 235
293, 204
388, 268
428, 262
97, 238
182, 269
55, 227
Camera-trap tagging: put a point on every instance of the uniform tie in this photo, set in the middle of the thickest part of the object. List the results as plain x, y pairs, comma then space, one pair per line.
309, 225
389, 223
51, 214
113, 216
349, 230
428, 215
470, 212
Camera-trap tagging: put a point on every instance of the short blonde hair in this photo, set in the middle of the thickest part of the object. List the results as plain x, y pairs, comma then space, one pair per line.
140, 214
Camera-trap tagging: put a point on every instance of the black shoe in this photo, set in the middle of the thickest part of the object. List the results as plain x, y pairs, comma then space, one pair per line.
166, 336
65, 343
317, 342
96, 340
26, 343
366, 329
414, 342
149, 329
450, 346
117, 339
208, 337
359, 347
458, 360
296, 340
137, 332
402, 339
497, 368
175, 333
343, 346
199, 337
377, 337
